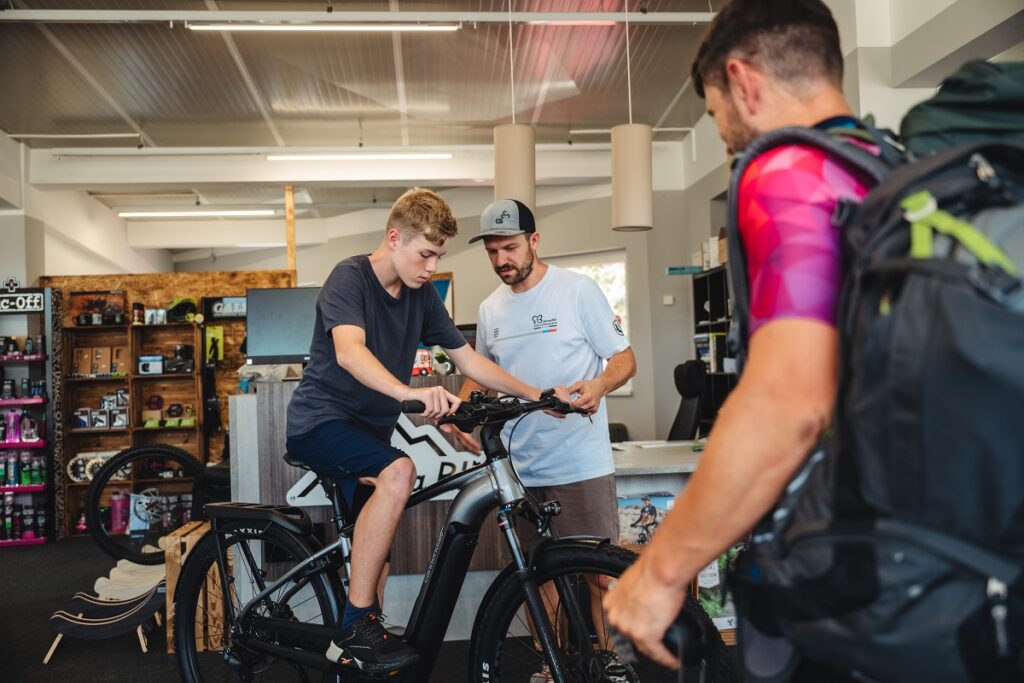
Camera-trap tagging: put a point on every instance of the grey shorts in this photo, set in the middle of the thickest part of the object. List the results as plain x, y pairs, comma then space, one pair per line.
589, 508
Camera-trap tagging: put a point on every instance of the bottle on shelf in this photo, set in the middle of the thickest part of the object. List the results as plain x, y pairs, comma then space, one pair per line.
118, 512
12, 423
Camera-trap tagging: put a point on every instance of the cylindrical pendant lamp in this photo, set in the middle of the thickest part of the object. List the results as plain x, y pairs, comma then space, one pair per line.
515, 164
632, 209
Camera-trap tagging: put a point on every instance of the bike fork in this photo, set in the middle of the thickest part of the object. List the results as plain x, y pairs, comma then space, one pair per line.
534, 602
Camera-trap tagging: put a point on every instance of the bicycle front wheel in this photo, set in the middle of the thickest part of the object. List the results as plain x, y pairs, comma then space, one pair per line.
204, 634
573, 580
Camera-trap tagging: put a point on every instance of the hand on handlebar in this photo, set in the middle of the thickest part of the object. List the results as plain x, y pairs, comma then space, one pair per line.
589, 393
437, 401
562, 394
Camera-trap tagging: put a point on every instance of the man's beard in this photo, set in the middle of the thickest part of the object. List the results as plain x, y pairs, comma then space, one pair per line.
520, 273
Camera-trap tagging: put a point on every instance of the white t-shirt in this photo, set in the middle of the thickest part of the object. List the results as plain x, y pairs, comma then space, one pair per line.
558, 332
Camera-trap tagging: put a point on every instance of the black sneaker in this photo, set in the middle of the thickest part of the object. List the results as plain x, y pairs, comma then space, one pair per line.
368, 646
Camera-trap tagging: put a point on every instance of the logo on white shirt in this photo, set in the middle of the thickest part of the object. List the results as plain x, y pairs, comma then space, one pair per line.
546, 324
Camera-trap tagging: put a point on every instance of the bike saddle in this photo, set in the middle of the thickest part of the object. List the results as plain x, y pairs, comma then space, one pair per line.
295, 462
217, 475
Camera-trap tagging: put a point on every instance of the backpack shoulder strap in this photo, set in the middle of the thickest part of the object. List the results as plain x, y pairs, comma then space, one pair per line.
831, 143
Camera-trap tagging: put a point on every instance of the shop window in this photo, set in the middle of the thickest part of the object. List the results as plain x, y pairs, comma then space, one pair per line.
608, 269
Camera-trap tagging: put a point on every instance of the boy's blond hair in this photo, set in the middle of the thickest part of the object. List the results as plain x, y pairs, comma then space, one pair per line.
422, 212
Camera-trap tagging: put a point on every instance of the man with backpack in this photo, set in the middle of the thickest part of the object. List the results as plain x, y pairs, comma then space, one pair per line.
883, 485
764, 65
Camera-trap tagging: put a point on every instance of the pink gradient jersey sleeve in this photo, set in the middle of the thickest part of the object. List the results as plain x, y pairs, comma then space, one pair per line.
787, 198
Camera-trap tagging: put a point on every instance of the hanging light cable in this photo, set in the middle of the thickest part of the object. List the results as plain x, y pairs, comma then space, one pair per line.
632, 204
511, 63
515, 162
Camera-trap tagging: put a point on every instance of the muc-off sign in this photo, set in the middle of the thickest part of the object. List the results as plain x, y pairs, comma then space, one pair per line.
21, 301
224, 308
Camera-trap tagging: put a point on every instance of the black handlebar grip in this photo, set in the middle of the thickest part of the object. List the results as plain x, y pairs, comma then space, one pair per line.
685, 638
413, 407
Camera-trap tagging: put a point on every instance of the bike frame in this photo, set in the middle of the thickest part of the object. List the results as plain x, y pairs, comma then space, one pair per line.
492, 484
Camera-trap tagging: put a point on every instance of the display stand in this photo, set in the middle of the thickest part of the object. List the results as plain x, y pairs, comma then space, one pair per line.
26, 506
152, 291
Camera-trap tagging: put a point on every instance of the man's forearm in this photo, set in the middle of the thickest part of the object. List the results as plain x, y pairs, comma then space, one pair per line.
618, 370
368, 371
487, 374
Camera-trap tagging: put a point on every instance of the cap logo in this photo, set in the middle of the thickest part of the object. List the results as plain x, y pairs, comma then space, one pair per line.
502, 216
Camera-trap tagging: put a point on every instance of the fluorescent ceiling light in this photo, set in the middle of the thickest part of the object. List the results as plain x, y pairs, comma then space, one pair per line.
412, 156
192, 214
573, 22
420, 28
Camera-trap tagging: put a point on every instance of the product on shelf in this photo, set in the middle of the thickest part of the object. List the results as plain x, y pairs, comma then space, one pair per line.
12, 424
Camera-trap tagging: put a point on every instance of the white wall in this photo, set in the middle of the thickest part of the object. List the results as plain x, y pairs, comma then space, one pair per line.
10, 173
906, 16
93, 236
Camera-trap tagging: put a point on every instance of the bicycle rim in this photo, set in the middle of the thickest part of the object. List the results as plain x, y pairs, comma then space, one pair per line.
208, 650
155, 486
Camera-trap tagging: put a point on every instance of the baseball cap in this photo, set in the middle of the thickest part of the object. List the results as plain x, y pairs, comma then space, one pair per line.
505, 218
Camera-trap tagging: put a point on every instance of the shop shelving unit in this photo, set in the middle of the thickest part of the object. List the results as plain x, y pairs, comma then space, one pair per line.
86, 391
29, 312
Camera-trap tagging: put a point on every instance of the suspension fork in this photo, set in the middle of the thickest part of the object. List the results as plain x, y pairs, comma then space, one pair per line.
531, 593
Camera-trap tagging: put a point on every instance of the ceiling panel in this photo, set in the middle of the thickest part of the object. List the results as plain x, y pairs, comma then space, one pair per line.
185, 89
40, 93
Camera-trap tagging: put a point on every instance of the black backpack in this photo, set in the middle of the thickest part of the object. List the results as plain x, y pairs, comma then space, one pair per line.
896, 553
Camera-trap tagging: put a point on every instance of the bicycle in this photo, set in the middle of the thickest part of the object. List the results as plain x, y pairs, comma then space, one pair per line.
166, 486
259, 593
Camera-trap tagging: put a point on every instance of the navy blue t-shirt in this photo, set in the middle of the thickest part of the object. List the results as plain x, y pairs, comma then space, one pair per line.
353, 295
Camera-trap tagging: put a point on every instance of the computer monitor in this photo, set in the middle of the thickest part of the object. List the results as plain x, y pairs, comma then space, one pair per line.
279, 324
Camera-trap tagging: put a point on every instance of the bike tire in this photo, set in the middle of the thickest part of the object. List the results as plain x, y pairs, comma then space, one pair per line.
116, 548
196, 587
502, 602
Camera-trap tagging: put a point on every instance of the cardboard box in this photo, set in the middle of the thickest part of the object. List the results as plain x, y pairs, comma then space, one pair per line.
119, 418
120, 360
99, 419
81, 419
151, 365
82, 361
697, 259
101, 360
723, 250
713, 252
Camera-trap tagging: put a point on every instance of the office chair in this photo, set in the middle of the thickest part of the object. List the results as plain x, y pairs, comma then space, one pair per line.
690, 380
618, 432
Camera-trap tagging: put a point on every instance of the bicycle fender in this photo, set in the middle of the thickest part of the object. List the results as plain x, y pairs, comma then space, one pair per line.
542, 543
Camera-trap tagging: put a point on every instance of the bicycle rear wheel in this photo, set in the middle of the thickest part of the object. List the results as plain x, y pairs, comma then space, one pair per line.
204, 637
159, 485
576, 577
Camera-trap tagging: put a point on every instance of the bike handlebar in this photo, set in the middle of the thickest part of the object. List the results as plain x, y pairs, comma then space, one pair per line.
685, 638
413, 407
480, 409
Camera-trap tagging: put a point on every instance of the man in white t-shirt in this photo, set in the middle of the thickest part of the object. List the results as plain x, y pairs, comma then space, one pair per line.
550, 327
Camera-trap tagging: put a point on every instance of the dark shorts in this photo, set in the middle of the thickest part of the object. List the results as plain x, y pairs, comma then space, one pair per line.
345, 452
589, 508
